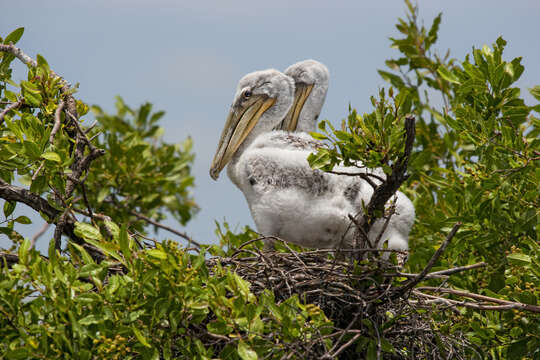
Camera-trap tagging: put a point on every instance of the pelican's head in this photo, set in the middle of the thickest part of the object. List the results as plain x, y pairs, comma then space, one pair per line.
311, 83
261, 101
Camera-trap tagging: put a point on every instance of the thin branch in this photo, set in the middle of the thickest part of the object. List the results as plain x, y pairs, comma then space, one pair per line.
512, 304
459, 269
36, 173
15, 193
57, 120
345, 346
88, 129
364, 176
473, 305
392, 183
10, 259
165, 227
19, 54
39, 234
412, 283
13, 106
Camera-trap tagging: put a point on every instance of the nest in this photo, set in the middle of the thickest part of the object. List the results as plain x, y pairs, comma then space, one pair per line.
360, 298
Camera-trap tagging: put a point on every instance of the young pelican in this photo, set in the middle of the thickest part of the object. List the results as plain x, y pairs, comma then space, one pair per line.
286, 197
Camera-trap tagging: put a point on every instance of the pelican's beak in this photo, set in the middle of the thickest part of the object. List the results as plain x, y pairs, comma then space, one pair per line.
300, 96
240, 122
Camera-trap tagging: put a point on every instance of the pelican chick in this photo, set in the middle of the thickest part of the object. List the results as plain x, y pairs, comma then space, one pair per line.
286, 197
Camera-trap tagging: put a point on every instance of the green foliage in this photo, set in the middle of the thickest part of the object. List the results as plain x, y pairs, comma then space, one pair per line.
139, 171
158, 306
476, 161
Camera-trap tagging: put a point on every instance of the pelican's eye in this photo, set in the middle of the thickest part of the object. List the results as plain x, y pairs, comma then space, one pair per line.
247, 94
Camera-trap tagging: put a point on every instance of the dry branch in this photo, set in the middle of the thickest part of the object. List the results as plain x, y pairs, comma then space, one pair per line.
431, 261
388, 187
165, 227
13, 106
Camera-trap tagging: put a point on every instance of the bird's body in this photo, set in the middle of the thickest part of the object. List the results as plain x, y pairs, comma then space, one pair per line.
290, 200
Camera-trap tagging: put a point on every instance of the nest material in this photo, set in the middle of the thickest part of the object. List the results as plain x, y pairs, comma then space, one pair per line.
359, 299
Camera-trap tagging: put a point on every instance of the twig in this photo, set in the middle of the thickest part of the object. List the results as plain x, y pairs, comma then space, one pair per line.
412, 283
39, 234
57, 120
364, 176
13, 106
10, 259
87, 203
346, 345
513, 304
458, 269
165, 227
36, 173
15, 193
18, 54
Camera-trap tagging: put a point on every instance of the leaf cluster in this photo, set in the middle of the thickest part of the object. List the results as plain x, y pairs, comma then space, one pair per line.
150, 303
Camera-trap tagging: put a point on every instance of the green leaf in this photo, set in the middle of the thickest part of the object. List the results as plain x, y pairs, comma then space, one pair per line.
23, 220
14, 36
52, 156
447, 75
535, 91
371, 351
91, 319
245, 352
392, 79
9, 207
86, 257
156, 253
123, 239
87, 231
519, 259
42, 62
140, 336
23, 251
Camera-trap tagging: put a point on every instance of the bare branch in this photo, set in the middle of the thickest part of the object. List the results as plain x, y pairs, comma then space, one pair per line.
13, 106
15, 193
36, 173
57, 120
509, 304
364, 176
459, 269
19, 54
388, 188
164, 227
39, 234
412, 283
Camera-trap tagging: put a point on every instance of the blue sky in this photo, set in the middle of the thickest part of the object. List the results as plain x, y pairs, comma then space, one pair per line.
187, 56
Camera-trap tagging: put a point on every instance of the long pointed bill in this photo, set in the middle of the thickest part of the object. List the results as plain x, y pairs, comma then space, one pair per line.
290, 123
239, 124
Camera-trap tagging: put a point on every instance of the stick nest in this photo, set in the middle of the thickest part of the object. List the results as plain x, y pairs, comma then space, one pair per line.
360, 298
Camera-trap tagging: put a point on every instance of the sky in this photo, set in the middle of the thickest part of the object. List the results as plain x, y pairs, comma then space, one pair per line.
186, 58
